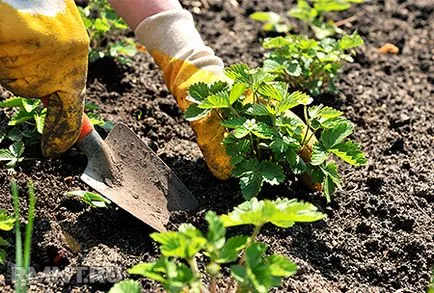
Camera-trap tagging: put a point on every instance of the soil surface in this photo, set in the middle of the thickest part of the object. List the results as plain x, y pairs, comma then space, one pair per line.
378, 236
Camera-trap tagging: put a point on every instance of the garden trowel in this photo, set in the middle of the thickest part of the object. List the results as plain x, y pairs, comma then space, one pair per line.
127, 172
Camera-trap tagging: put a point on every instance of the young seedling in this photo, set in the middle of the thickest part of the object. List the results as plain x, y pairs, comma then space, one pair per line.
26, 125
106, 31
313, 15
252, 268
93, 199
265, 140
272, 22
309, 65
22, 255
6, 224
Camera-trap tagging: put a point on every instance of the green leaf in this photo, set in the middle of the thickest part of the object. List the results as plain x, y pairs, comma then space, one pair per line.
241, 131
331, 5
3, 133
265, 16
174, 276
12, 102
6, 221
101, 25
229, 252
272, 173
31, 104
281, 144
236, 92
183, 244
20, 117
216, 230
350, 152
40, 121
198, 92
233, 122
3, 242
2, 256
194, 113
250, 184
257, 110
126, 286
333, 136
17, 149
90, 198
294, 99
218, 100
319, 154
277, 90
238, 72
297, 164
15, 134
281, 212
262, 130
350, 41
281, 266
6, 155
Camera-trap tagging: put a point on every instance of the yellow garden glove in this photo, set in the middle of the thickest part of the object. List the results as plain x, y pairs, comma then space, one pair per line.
179, 51
43, 52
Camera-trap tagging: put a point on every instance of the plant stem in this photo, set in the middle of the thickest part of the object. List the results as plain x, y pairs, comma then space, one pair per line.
18, 242
235, 112
213, 285
193, 265
29, 228
306, 118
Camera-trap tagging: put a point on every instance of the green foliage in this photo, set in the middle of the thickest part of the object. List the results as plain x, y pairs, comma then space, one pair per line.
93, 199
307, 64
22, 255
272, 21
431, 285
6, 224
106, 32
126, 286
265, 139
251, 267
313, 15
26, 126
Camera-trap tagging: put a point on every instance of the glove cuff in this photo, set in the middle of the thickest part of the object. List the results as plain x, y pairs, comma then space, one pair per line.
172, 33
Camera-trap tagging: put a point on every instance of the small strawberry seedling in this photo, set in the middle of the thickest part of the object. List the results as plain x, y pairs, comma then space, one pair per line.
26, 126
307, 64
265, 140
106, 31
272, 22
252, 267
312, 14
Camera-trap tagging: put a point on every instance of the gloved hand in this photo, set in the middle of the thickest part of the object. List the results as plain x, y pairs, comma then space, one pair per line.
176, 46
43, 53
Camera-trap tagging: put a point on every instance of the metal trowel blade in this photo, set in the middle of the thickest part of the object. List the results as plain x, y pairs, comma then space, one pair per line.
139, 181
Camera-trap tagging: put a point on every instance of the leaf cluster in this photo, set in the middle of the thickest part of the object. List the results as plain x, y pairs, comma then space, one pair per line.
252, 268
26, 126
313, 14
106, 32
272, 22
307, 64
264, 139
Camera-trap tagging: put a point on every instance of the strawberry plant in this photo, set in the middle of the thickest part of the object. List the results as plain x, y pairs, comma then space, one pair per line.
6, 224
265, 140
307, 64
106, 32
273, 22
252, 267
90, 198
26, 126
313, 15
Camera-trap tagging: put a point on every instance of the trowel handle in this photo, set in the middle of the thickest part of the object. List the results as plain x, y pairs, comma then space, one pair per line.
87, 126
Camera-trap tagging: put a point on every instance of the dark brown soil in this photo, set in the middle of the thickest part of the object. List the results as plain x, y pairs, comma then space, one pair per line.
378, 236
